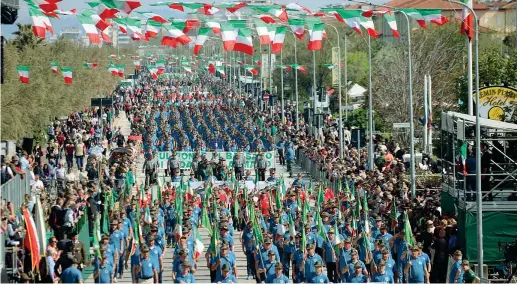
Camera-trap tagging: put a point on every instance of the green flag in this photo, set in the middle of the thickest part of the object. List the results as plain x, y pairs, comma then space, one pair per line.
96, 237
408, 233
321, 197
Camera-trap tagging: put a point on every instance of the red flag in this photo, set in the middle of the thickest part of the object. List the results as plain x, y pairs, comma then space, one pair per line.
211, 68
31, 241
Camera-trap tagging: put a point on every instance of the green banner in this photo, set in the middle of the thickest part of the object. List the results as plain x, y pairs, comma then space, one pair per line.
186, 158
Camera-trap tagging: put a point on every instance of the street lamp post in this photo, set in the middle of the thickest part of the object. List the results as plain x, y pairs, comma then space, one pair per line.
339, 94
282, 84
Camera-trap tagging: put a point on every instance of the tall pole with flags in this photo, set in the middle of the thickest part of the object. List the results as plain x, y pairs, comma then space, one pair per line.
282, 84
370, 108
339, 95
296, 84
466, 29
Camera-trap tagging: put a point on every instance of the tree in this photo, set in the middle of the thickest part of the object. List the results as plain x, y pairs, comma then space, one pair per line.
24, 37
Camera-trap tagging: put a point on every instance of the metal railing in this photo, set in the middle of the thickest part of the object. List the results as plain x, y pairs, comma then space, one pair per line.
14, 190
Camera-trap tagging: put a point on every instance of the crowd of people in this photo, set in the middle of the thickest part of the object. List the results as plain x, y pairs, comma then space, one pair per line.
368, 228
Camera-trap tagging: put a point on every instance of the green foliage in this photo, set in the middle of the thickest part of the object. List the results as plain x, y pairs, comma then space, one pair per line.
359, 118
25, 38
491, 66
27, 108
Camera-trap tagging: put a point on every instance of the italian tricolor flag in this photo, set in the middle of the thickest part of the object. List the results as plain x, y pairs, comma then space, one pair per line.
67, 74
40, 22
120, 70
160, 64
152, 28
53, 67
278, 41
137, 64
297, 27
90, 29
153, 16
467, 20
220, 70
268, 19
316, 36
351, 17
134, 28
298, 7
244, 42
23, 72
252, 70
262, 31
89, 64
174, 35
103, 11
188, 69
113, 70
275, 10
426, 15
154, 71
125, 6
285, 67
215, 26
229, 36
201, 38
299, 68
96, 19
392, 22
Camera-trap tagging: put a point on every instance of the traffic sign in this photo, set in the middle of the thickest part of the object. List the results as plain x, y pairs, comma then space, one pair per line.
266, 97
401, 125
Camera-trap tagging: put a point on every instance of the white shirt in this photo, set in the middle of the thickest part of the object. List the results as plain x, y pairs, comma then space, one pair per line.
38, 185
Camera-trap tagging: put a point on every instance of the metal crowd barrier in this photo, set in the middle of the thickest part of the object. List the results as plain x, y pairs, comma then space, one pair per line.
15, 189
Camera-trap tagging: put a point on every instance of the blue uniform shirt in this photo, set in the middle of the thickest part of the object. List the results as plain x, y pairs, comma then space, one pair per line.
320, 278
71, 275
105, 273
383, 278
189, 278
147, 268
277, 279
329, 248
454, 269
357, 278
155, 253
416, 270
310, 269
229, 279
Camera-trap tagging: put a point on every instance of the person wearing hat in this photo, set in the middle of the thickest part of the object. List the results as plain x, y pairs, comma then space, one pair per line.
272, 178
117, 238
289, 158
103, 273
147, 269
226, 276
456, 273
399, 247
178, 262
278, 276
391, 266
357, 275
151, 166
309, 261
238, 165
299, 181
424, 256
260, 166
110, 251
383, 233
78, 250
225, 236
381, 275
329, 256
345, 251
319, 277
298, 257
248, 248
350, 269
415, 268
184, 276
468, 275
222, 259
135, 264
192, 179
267, 266
156, 255
72, 274
173, 164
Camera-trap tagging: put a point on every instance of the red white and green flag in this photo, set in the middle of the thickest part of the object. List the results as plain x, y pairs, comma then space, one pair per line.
153, 16
53, 67
120, 70
278, 41
96, 19
31, 241
367, 23
174, 36
392, 22
134, 28
299, 68
125, 6
160, 64
40, 22
220, 70
103, 11
229, 36
422, 16
316, 36
202, 36
188, 69
89, 28
137, 64
352, 18
275, 10
236, 7
152, 29
215, 26
297, 27
121, 23
467, 20
298, 7
90, 64
67, 74
211, 68
271, 28
329, 66
208, 9
185, 25
268, 19
154, 71
285, 67
23, 73
262, 31
252, 70
112, 69
257, 61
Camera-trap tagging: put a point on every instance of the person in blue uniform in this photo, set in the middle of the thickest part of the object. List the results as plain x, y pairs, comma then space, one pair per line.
391, 266
345, 251
456, 273
382, 276
424, 256
72, 274
103, 273
319, 277
267, 266
185, 276
357, 276
226, 275
329, 255
155, 253
135, 264
223, 258
248, 248
384, 235
225, 236
272, 178
309, 268
278, 277
298, 257
287, 252
148, 271
415, 268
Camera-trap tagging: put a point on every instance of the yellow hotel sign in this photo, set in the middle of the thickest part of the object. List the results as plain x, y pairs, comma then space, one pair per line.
497, 103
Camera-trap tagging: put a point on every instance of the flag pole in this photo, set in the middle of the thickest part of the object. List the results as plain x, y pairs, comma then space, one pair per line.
282, 84
296, 83
341, 142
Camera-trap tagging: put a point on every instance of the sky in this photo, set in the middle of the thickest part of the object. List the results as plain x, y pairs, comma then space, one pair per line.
72, 22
